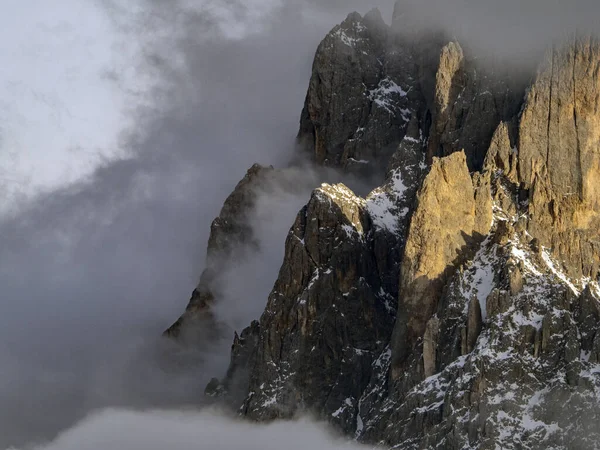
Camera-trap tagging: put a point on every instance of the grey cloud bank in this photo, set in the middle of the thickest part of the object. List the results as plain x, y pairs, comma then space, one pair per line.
208, 430
514, 31
92, 274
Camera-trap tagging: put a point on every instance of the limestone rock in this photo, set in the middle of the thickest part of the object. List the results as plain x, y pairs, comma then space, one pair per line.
497, 302
337, 289
502, 154
430, 340
483, 203
515, 280
469, 103
366, 87
559, 158
347, 68
457, 305
529, 344
450, 82
327, 318
474, 324
390, 205
440, 233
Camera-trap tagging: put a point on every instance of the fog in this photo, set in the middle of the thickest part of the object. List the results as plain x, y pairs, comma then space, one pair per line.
515, 32
93, 272
182, 431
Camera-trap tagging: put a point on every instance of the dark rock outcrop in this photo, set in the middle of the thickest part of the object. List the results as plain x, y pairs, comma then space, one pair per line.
327, 318
330, 316
228, 233
469, 103
364, 90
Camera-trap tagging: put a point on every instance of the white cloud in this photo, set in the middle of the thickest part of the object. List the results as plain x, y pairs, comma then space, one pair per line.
59, 114
128, 430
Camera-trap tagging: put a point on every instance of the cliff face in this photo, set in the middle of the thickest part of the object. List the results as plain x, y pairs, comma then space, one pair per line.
327, 317
332, 310
363, 92
442, 230
560, 158
469, 103
457, 305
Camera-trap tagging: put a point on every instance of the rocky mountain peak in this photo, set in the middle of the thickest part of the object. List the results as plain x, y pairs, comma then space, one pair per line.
375, 19
228, 232
457, 305
350, 206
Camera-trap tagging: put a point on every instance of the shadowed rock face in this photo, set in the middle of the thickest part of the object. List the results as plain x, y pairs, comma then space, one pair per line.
364, 90
328, 297
228, 233
331, 313
469, 103
457, 305
369, 79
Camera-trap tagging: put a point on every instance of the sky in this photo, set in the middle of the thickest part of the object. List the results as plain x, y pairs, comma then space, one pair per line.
123, 127
59, 112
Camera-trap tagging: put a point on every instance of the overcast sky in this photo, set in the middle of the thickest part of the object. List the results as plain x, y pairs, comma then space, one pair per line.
135, 120
57, 109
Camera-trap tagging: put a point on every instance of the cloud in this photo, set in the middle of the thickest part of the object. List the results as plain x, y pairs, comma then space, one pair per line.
55, 118
127, 430
513, 32
93, 272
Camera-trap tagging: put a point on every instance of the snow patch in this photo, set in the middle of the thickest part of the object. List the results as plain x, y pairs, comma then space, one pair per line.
349, 40
385, 94
381, 203
523, 256
559, 274
478, 280
347, 404
358, 161
270, 402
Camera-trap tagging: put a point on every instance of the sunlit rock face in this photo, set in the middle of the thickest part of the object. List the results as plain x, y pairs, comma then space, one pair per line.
457, 305
441, 232
559, 155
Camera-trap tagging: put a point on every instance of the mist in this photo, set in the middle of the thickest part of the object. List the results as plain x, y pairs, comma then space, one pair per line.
505, 32
92, 273
184, 430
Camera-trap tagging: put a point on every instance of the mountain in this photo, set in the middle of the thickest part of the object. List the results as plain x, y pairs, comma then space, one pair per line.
457, 305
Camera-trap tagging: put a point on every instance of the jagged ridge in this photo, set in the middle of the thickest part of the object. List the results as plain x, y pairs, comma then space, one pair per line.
457, 306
